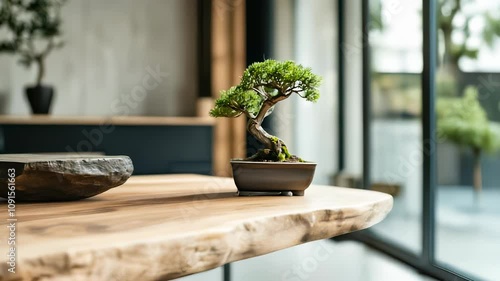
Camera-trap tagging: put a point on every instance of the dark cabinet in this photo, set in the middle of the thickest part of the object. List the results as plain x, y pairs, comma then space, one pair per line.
154, 149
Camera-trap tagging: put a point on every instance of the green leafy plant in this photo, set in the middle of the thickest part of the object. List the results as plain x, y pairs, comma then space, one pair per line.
454, 50
33, 30
262, 86
455, 17
463, 121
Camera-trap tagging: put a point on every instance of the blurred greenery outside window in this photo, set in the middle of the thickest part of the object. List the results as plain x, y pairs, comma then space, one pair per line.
468, 47
468, 76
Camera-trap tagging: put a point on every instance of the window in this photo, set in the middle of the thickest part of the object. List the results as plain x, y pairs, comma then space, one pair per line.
431, 95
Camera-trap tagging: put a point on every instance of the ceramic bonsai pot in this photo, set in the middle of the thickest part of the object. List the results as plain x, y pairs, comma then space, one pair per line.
40, 98
269, 177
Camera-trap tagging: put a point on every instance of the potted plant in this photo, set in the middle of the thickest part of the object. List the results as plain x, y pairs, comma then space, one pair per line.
463, 121
263, 85
34, 32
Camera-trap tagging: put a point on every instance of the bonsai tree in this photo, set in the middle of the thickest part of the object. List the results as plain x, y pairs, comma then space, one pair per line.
34, 31
463, 121
263, 85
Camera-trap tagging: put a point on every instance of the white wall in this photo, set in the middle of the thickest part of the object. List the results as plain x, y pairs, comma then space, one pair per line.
109, 46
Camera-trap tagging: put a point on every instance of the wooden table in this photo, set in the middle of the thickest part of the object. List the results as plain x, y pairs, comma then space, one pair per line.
164, 227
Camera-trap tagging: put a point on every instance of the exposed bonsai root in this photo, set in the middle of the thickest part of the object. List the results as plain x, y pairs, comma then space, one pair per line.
267, 155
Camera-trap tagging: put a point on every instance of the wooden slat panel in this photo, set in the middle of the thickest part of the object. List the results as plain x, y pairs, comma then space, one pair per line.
228, 56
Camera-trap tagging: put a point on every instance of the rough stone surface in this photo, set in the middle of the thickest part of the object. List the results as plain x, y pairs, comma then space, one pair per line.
62, 177
164, 227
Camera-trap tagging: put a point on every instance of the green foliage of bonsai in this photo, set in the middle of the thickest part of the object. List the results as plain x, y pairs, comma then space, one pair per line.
463, 121
34, 30
262, 86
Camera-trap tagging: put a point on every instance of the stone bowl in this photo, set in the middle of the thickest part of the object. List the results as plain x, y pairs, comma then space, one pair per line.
272, 177
39, 177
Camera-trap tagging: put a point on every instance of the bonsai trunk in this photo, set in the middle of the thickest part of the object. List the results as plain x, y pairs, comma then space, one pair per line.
478, 181
450, 61
41, 70
275, 147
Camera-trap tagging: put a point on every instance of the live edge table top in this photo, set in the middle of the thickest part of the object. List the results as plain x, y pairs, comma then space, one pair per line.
168, 226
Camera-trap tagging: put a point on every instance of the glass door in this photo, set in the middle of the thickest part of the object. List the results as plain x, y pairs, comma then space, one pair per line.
395, 126
431, 104
468, 158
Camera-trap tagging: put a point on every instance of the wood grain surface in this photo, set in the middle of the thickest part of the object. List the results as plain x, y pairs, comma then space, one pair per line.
164, 227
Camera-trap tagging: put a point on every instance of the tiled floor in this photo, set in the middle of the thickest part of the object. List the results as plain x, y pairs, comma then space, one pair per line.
468, 233
318, 261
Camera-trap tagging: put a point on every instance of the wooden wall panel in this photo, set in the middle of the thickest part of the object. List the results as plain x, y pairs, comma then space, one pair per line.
228, 64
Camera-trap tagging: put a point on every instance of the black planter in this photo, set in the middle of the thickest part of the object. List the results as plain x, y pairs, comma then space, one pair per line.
40, 98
